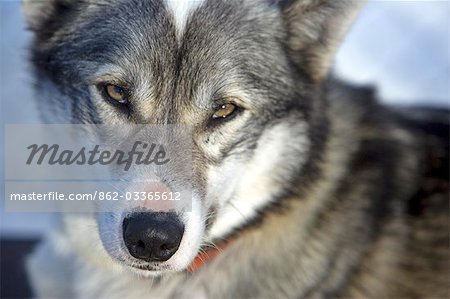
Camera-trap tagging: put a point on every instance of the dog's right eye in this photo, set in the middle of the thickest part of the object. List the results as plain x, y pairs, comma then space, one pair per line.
115, 93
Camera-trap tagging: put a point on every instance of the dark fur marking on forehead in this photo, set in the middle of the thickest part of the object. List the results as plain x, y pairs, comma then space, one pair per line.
90, 38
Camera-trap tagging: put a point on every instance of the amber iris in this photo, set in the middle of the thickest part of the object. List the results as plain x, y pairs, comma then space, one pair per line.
224, 110
116, 93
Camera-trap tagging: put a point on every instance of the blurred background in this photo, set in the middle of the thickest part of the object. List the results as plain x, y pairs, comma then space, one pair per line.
402, 47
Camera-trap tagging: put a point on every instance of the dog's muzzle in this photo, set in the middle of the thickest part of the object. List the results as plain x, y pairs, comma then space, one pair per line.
152, 236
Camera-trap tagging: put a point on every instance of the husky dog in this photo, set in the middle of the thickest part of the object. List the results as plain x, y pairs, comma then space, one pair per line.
303, 186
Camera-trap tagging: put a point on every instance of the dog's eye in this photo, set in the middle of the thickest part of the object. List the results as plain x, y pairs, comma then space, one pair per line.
225, 110
116, 93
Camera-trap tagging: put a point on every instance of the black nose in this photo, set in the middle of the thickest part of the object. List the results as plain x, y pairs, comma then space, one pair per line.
152, 236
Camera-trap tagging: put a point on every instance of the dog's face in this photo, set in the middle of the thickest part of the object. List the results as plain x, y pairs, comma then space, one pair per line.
244, 75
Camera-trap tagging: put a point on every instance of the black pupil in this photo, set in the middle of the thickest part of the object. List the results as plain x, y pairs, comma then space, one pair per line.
118, 89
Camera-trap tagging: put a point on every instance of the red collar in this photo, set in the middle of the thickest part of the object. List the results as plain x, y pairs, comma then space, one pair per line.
206, 256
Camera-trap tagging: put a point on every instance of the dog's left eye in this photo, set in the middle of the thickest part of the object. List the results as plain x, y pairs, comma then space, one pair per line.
224, 111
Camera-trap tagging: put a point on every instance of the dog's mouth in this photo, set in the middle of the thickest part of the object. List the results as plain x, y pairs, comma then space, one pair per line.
148, 270
204, 255
147, 267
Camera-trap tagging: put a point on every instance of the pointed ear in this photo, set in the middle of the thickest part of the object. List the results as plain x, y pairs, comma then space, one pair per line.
37, 12
315, 29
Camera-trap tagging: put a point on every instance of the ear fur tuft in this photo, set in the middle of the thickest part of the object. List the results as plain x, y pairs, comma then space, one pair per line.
315, 28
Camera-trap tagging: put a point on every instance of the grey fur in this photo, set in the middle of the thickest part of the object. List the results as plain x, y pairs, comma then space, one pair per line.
357, 194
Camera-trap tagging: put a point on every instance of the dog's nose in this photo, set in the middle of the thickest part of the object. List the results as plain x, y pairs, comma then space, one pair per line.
152, 236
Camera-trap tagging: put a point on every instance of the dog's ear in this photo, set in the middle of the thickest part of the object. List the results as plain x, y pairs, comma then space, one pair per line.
38, 12
315, 29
